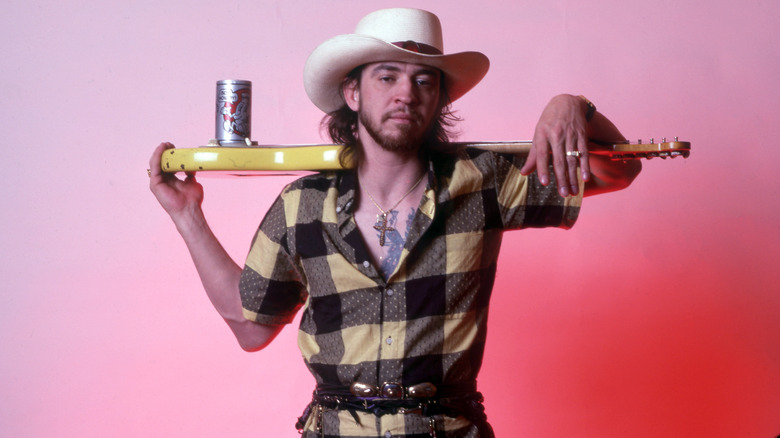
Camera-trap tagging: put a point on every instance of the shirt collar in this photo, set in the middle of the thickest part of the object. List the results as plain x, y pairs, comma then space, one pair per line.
347, 185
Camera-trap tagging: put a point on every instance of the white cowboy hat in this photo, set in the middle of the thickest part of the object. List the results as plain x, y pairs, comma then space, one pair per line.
402, 35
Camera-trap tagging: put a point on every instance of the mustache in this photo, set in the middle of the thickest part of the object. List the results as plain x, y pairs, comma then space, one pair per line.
410, 114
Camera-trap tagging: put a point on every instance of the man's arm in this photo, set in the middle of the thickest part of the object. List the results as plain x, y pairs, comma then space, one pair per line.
607, 175
219, 274
563, 128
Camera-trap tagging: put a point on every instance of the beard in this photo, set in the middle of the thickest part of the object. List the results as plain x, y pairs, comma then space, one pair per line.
409, 137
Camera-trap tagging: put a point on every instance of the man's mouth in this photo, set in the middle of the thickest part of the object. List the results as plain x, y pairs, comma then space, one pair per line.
401, 117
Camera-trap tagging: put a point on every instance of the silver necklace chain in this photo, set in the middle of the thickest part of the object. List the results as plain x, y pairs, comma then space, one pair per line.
383, 228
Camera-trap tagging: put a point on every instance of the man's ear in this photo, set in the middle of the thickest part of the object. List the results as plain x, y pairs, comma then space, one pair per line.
351, 92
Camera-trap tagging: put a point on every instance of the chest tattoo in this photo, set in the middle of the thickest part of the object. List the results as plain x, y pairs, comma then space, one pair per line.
392, 239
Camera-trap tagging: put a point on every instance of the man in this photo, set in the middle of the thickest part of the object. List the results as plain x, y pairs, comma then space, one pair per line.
394, 261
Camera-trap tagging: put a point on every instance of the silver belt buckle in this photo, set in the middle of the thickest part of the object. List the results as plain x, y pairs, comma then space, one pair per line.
362, 389
392, 390
421, 390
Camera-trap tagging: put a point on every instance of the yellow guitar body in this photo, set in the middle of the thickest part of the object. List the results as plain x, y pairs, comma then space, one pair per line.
277, 159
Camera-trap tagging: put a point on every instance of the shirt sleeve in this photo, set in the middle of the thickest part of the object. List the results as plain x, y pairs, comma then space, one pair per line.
272, 287
525, 203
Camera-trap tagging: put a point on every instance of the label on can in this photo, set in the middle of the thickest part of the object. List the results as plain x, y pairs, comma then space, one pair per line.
234, 111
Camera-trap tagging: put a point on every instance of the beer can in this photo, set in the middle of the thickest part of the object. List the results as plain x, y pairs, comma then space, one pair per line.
234, 112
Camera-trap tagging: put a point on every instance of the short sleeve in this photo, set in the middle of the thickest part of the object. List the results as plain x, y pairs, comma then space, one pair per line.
272, 287
525, 203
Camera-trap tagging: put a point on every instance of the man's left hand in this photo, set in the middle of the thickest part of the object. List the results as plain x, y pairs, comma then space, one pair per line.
562, 132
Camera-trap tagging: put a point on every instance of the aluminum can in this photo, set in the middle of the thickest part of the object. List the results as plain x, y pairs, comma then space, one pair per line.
234, 111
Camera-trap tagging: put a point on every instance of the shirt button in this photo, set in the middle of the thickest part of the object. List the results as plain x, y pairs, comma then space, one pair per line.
389, 340
389, 292
366, 264
338, 209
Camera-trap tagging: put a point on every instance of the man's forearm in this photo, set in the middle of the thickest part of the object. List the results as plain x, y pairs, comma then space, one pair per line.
608, 175
220, 276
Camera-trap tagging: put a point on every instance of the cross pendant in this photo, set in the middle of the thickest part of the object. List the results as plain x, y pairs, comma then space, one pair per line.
382, 228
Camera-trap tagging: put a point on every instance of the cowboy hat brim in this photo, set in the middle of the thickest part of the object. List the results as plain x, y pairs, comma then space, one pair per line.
330, 63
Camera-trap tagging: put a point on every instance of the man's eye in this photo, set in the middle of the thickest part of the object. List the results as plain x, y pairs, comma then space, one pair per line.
425, 82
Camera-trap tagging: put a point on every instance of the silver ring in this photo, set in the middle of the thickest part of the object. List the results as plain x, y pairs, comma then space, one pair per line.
575, 154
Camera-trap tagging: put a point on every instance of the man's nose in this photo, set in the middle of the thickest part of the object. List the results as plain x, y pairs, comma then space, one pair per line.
406, 92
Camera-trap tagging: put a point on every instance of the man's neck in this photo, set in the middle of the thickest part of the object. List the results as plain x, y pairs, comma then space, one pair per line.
387, 175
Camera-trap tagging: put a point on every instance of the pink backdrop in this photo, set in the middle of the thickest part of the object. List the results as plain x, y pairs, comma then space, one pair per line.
657, 315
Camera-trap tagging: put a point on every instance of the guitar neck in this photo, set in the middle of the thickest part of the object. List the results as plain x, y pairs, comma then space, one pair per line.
615, 151
503, 147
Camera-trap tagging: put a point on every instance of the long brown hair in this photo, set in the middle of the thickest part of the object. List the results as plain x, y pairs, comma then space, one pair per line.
342, 126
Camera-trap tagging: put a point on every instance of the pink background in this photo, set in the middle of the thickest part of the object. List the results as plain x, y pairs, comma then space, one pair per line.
658, 315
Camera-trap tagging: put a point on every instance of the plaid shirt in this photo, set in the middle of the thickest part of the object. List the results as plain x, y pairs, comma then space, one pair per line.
428, 321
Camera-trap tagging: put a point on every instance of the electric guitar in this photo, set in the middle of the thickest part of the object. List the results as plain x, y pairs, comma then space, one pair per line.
292, 159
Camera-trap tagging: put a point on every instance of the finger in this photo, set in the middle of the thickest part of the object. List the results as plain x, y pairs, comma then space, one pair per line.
582, 146
542, 146
560, 167
572, 160
530, 162
157, 178
155, 168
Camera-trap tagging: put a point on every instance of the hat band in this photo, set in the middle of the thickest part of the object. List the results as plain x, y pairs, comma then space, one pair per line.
414, 46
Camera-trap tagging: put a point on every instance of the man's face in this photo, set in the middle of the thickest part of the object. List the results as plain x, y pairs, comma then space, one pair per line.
396, 103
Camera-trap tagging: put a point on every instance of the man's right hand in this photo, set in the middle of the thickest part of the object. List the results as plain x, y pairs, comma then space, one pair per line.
176, 196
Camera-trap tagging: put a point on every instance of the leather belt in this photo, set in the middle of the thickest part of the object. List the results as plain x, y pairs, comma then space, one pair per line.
425, 399
396, 390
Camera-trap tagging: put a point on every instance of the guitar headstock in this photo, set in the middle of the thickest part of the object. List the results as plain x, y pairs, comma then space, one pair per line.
632, 151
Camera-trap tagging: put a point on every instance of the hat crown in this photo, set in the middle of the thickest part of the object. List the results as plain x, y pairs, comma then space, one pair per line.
402, 24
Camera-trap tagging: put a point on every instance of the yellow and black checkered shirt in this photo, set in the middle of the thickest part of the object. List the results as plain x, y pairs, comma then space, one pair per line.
428, 321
